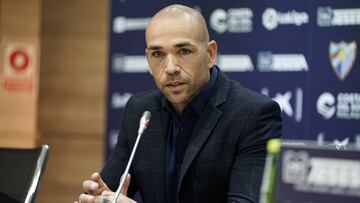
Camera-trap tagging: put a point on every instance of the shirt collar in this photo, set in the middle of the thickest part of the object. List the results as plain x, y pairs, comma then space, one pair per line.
198, 104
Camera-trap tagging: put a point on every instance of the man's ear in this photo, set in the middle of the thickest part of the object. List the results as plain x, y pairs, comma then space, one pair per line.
212, 53
147, 58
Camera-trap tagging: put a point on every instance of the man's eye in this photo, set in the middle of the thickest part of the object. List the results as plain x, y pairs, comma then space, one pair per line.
157, 54
184, 51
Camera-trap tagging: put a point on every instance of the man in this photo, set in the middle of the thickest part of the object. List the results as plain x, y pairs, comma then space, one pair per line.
207, 135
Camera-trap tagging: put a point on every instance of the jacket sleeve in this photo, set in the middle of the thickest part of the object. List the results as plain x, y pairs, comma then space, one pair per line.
246, 175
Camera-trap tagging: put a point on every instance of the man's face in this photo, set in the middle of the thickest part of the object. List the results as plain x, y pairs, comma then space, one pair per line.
178, 59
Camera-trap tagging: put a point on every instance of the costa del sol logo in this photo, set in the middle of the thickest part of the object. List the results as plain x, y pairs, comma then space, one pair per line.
342, 57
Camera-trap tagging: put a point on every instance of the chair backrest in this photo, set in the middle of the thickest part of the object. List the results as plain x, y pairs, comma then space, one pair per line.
20, 173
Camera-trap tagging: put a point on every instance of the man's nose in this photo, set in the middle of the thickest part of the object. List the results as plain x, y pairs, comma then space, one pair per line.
172, 66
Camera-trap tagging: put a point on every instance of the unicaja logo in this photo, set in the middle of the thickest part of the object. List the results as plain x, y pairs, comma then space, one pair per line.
328, 17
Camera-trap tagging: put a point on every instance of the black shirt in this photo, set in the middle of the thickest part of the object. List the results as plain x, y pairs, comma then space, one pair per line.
179, 134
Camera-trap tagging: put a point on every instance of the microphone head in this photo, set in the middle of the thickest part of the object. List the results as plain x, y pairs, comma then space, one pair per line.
145, 118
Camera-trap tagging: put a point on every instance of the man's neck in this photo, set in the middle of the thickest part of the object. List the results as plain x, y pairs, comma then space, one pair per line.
178, 108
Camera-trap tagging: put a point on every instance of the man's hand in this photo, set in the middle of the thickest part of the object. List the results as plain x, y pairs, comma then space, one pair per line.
98, 191
95, 186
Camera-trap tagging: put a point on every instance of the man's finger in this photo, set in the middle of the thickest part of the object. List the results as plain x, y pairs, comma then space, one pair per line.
125, 187
97, 178
90, 185
95, 185
84, 198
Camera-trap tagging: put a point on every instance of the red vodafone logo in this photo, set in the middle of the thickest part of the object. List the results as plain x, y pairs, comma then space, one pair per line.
18, 77
19, 60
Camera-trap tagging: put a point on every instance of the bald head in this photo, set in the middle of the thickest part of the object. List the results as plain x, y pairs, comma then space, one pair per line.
179, 53
182, 17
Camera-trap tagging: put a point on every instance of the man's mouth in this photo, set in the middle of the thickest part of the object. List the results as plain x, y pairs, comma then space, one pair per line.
175, 85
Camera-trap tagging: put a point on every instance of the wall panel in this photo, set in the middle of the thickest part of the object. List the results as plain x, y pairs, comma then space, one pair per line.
72, 94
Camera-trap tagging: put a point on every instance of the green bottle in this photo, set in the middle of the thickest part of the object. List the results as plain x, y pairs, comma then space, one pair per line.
268, 182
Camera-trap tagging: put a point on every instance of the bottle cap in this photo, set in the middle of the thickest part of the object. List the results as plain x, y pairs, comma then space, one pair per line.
273, 146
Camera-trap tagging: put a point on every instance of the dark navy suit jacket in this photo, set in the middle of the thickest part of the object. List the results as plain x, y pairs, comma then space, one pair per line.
225, 156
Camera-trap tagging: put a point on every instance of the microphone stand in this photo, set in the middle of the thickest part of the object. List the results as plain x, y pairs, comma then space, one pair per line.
144, 122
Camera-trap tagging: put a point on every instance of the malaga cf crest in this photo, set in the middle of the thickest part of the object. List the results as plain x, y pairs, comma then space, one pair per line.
342, 57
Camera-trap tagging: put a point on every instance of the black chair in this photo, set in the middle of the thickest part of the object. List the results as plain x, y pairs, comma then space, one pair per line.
20, 173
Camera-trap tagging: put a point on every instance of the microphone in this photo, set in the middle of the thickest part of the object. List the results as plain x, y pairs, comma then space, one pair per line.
144, 123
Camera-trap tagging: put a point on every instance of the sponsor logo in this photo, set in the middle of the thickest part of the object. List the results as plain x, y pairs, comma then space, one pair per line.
342, 57
290, 102
268, 62
235, 63
122, 24
296, 168
321, 174
348, 106
344, 106
119, 100
234, 20
113, 137
129, 64
325, 105
271, 18
339, 144
326, 16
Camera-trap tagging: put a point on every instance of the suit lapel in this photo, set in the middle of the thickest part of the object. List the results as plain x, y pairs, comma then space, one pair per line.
205, 125
201, 132
158, 126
